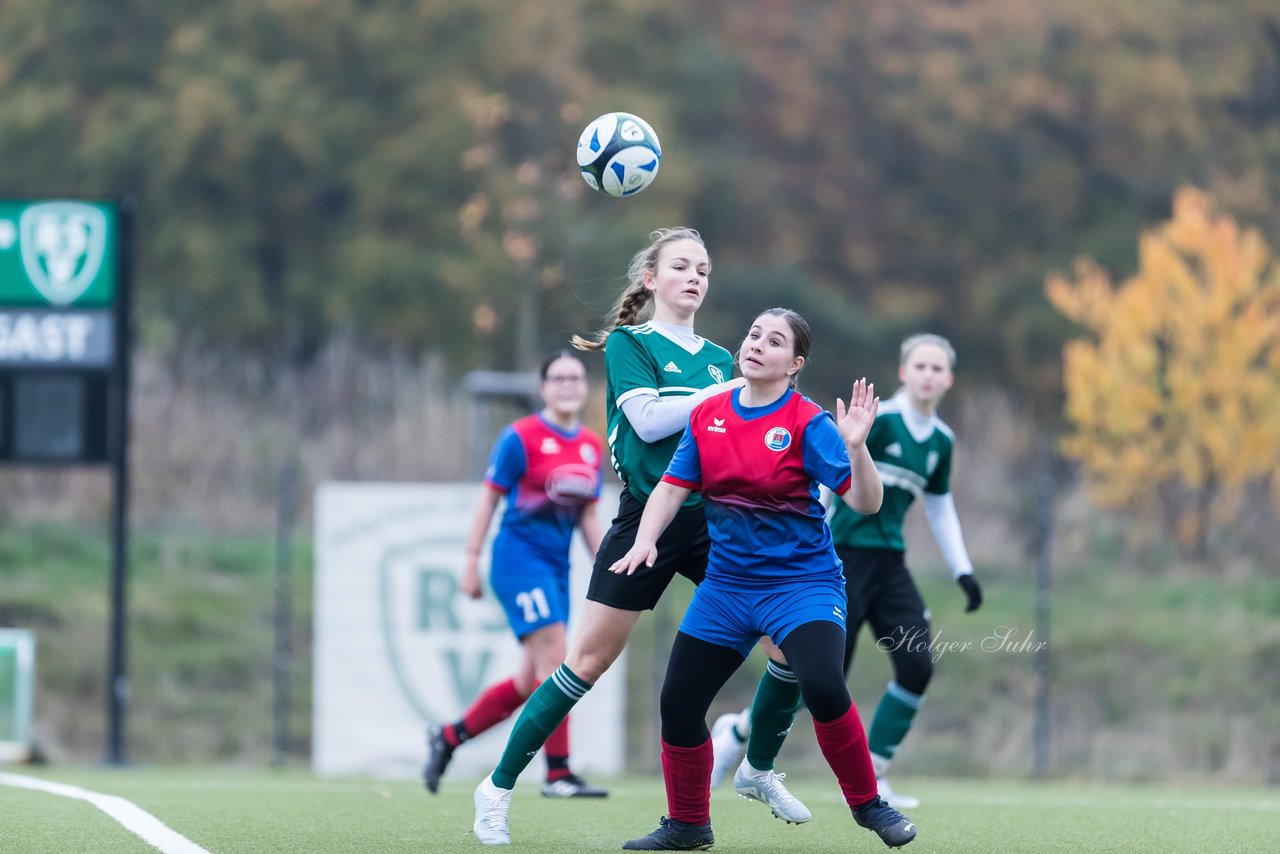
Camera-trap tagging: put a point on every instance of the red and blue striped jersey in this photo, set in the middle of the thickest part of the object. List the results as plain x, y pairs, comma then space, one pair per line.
548, 474
759, 471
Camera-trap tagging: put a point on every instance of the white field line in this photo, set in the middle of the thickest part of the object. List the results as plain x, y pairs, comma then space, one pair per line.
135, 819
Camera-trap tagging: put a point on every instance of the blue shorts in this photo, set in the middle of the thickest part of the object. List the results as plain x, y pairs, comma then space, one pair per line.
533, 591
736, 618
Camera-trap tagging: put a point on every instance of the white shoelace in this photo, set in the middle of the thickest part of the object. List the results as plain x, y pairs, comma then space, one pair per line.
496, 809
772, 783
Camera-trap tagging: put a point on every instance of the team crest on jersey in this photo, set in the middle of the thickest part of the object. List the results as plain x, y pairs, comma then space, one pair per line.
716, 373
931, 462
588, 454
777, 439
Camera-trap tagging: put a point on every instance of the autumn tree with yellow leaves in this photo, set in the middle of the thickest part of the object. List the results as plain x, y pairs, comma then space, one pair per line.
1173, 398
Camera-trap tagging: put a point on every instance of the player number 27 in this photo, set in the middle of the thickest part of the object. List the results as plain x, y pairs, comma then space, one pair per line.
534, 604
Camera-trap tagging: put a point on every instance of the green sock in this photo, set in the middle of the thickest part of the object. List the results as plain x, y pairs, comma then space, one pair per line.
893, 718
772, 713
545, 709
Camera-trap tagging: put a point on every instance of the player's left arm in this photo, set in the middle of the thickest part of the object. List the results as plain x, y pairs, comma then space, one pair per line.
589, 521
663, 505
683, 476
944, 522
866, 491
827, 459
592, 530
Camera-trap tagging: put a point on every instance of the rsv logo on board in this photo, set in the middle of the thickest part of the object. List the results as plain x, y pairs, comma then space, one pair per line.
62, 245
442, 646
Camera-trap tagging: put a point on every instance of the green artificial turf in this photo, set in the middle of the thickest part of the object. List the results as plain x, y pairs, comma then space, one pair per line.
267, 811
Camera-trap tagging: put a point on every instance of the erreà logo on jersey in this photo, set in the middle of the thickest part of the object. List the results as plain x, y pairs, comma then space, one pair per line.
777, 439
716, 426
63, 244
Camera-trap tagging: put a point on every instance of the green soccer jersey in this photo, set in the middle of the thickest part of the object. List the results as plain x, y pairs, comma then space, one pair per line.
643, 360
909, 464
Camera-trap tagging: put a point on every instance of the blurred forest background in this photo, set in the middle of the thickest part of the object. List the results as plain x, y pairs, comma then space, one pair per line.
344, 206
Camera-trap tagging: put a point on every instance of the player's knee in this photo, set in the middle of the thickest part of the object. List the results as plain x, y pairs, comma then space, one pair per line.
682, 724
827, 699
589, 665
913, 671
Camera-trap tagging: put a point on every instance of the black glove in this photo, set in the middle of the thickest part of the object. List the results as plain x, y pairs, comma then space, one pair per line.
969, 585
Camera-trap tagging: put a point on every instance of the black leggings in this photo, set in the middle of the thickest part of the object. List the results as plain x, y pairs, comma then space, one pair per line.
883, 595
698, 670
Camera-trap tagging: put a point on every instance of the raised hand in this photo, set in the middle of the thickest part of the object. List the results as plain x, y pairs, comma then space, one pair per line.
855, 422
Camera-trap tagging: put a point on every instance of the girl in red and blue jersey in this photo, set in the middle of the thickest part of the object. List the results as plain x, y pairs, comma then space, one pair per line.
758, 455
548, 467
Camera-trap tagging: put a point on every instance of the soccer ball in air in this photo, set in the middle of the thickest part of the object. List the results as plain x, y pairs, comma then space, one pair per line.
619, 154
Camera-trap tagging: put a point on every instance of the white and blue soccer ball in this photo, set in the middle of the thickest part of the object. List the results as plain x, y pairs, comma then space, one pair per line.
619, 154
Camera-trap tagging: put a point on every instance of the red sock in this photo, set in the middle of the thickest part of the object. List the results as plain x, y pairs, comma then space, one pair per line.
844, 744
493, 706
687, 772
556, 747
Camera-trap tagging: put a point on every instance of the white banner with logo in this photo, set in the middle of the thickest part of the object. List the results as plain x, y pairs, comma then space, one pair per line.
397, 647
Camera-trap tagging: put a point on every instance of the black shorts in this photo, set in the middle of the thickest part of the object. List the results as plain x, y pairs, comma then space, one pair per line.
682, 549
881, 592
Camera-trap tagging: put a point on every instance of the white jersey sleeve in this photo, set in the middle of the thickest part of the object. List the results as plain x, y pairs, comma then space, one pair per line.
654, 418
940, 511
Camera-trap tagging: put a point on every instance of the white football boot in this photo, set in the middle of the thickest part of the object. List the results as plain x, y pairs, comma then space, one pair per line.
492, 807
766, 787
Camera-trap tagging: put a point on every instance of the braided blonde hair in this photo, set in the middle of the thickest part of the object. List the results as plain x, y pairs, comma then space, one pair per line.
635, 304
